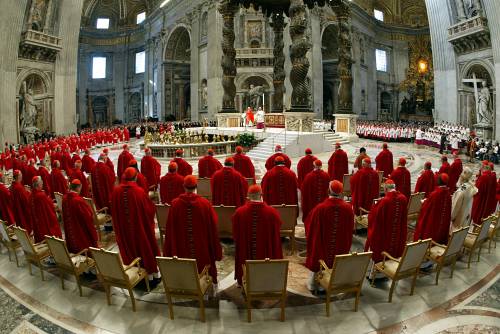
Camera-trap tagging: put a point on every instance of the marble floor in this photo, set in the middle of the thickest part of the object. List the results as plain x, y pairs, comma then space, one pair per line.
467, 303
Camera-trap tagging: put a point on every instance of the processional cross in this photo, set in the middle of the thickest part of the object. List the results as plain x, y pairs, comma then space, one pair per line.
474, 82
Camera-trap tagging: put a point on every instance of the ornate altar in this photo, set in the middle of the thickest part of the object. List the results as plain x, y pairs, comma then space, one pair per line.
275, 120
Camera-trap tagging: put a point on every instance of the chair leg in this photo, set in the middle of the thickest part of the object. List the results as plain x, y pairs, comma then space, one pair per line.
453, 266
479, 252
61, 276
202, 309
78, 283
470, 257
414, 281
249, 309
132, 298
108, 293
283, 300
327, 304
356, 302
147, 284
170, 307
438, 271
41, 270
8, 252
393, 285
17, 260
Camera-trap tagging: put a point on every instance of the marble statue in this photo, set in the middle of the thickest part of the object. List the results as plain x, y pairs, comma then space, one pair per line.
28, 115
255, 94
36, 14
204, 94
484, 113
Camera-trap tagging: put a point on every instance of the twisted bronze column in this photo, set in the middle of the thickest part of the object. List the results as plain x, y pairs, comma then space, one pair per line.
228, 9
279, 74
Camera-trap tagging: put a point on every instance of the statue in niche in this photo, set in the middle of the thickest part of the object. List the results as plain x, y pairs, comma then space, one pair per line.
255, 94
485, 116
36, 14
204, 94
29, 110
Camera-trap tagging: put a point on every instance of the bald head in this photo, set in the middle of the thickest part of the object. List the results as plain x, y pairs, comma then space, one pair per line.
37, 183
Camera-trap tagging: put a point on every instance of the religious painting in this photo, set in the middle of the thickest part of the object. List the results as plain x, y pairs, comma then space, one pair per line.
254, 31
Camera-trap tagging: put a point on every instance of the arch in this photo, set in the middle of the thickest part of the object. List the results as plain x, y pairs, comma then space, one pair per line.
474, 63
329, 42
46, 80
174, 41
242, 79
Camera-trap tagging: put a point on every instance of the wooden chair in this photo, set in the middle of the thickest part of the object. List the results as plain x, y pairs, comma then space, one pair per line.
265, 280
476, 240
33, 253
204, 189
101, 217
380, 180
9, 240
162, 211
225, 225
112, 272
72, 264
347, 185
59, 200
363, 219
493, 232
407, 265
415, 205
346, 275
288, 214
444, 254
181, 279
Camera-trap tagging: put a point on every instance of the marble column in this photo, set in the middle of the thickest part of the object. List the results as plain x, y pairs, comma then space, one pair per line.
279, 74
460, 10
48, 18
342, 11
228, 9
195, 81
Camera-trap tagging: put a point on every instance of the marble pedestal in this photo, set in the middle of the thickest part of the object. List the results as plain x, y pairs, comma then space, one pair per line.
484, 131
299, 121
228, 120
345, 124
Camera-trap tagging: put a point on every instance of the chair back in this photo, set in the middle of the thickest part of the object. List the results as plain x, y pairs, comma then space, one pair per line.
204, 189
162, 211
380, 177
4, 236
349, 269
266, 276
415, 203
456, 241
59, 251
24, 240
179, 274
485, 226
347, 184
224, 214
59, 200
413, 255
109, 265
288, 215
91, 203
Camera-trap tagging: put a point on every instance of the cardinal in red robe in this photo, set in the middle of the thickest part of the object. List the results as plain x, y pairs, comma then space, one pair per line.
151, 169
124, 161
358, 163
445, 166
435, 216
387, 224
171, 185
134, 223
103, 182
426, 182
57, 180
229, 187
140, 179
78, 220
109, 163
29, 172
364, 187
384, 161
208, 165
402, 178
243, 164
78, 175
305, 166
338, 164
88, 163
256, 232
270, 162
455, 170
20, 202
330, 230
314, 190
44, 173
183, 167
191, 229
43, 213
484, 203
6, 208
279, 185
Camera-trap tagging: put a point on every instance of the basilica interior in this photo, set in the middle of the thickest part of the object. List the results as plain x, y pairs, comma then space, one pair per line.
419, 74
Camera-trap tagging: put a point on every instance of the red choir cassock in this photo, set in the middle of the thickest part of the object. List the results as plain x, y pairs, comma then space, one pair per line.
66, 162
338, 165
58, 182
20, 206
279, 185
43, 216
384, 161
6, 207
151, 169
359, 160
426, 182
305, 166
314, 190
229, 187
364, 188
270, 162
208, 165
455, 171
123, 162
330, 230
111, 166
43, 172
243, 164
134, 223
183, 167
191, 230
387, 226
256, 234
74, 159
445, 168
402, 178
78, 221
435, 216
88, 163
78, 174
171, 185
28, 174
498, 191
484, 203
103, 182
